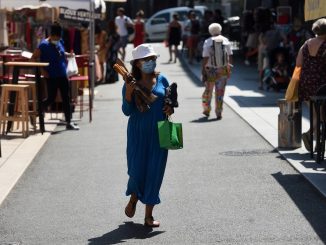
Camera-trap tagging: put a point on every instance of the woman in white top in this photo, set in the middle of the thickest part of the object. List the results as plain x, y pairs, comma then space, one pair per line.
217, 60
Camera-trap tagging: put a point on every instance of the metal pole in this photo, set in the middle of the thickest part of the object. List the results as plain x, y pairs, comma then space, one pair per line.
91, 57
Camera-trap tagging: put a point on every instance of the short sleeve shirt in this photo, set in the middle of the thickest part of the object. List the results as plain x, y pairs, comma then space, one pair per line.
208, 44
121, 24
55, 56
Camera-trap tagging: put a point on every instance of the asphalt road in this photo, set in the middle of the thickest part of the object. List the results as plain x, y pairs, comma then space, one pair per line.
227, 186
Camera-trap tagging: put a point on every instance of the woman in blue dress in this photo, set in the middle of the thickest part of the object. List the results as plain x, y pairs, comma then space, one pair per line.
146, 160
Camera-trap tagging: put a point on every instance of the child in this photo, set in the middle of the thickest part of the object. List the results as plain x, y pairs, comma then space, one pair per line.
278, 76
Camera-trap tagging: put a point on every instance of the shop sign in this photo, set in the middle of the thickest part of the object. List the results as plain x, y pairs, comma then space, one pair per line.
314, 9
76, 14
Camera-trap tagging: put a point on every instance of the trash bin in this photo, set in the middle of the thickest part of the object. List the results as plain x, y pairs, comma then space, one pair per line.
289, 124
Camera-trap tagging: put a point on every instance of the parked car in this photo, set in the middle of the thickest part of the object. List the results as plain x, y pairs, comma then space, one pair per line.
156, 26
233, 28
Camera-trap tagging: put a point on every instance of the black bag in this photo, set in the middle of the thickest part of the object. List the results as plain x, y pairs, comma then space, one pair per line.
171, 95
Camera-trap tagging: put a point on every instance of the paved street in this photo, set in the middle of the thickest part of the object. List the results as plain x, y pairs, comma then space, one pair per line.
227, 186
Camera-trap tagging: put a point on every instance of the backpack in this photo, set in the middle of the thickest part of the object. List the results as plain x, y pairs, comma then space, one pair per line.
219, 56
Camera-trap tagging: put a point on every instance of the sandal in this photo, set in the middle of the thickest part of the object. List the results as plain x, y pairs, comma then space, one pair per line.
130, 209
150, 222
218, 117
206, 113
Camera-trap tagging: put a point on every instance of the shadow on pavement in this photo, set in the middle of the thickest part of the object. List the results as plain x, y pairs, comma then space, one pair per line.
311, 204
126, 231
305, 160
247, 101
204, 120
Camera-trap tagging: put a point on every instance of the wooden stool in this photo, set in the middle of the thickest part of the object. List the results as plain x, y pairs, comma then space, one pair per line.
32, 100
21, 115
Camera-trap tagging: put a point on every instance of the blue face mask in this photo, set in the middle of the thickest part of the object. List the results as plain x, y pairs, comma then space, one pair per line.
148, 67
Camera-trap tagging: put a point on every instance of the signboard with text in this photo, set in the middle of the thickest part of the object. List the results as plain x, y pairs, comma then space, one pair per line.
76, 14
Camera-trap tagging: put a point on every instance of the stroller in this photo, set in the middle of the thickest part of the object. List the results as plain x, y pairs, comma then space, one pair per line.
276, 74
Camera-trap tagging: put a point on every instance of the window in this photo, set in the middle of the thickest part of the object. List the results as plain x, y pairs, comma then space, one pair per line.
161, 19
182, 15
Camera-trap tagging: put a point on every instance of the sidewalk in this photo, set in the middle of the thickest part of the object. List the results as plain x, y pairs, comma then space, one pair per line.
259, 109
18, 153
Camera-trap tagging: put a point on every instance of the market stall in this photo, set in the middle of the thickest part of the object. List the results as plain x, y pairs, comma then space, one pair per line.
25, 25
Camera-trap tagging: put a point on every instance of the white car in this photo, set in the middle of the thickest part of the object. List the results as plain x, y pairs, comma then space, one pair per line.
156, 26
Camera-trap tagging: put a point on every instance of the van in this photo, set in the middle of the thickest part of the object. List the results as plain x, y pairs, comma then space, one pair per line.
156, 26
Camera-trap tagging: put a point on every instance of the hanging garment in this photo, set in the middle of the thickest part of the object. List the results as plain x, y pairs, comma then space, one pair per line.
3, 28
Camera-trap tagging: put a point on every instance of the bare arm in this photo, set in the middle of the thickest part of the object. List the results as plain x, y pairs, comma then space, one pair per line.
230, 60
204, 63
36, 57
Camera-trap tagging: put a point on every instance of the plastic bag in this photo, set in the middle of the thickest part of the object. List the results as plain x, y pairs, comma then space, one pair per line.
170, 135
72, 68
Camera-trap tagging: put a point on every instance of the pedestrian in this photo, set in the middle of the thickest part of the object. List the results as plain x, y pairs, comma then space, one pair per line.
146, 160
297, 37
174, 37
216, 63
312, 60
219, 19
186, 32
100, 47
112, 48
193, 38
51, 50
139, 29
270, 41
123, 23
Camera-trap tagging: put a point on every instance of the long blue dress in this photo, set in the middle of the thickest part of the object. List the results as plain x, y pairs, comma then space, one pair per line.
146, 160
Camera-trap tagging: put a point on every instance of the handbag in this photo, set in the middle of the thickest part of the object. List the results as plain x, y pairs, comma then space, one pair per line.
72, 68
292, 92
170, 135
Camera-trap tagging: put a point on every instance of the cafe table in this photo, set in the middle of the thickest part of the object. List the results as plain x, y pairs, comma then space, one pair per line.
17, 65
7, 56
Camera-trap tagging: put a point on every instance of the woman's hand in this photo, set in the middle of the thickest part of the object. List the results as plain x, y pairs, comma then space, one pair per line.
130, 87
168, 110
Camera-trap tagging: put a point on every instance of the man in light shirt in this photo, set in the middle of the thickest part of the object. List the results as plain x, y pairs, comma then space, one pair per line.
216, 67
123, 22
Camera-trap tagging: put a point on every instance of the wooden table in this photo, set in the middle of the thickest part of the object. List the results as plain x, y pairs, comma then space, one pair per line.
6, 57
17, 65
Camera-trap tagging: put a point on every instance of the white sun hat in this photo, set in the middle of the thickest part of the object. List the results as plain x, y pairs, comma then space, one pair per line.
143, 51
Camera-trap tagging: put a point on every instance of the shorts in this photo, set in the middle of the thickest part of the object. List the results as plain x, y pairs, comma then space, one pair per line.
214, 74
123, 41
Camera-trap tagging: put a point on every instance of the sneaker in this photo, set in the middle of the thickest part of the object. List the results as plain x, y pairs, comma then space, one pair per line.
218, 117
72, 126
306, 141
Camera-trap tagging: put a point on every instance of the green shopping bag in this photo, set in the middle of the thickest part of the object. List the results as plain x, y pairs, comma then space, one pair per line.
170, 135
